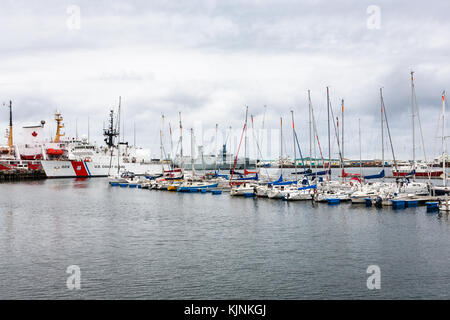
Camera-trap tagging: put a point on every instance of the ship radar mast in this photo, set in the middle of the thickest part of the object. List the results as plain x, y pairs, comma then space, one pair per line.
59, 126
110, 133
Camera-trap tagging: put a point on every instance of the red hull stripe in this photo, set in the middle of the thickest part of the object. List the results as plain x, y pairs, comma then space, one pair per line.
2, 167
420, 174
80, 170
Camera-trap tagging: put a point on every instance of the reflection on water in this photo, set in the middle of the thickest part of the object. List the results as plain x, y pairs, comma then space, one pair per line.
81, 183
132, 243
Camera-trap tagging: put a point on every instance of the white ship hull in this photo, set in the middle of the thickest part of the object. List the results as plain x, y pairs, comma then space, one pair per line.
83, 169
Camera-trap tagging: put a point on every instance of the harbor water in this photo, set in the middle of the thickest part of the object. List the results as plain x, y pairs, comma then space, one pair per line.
149, 244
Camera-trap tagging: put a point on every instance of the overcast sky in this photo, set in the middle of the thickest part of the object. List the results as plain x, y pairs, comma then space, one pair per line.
209, 59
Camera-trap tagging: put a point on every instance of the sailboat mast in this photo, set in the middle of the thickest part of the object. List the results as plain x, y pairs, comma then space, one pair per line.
329, 138
192, 151
203, 159
171, 146
181, 142
389, 132
417, 114
255, 140
118, 123
161, 151
262, 131
123, 128
161, 144
216, 151
245, 140
239, 146
293, 137
315, 138
382, 129
360, 153
444, 155
281, 144
118, 132
413, 129
310, 132
342, 149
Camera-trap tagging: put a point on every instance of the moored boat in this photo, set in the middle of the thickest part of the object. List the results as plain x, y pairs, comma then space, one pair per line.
196, 186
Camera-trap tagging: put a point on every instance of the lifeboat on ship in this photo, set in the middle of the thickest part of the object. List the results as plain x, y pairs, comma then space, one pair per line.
55, 152
31, 156
4, 150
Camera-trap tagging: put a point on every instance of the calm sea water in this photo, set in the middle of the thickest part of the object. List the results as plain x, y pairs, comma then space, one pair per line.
132, 243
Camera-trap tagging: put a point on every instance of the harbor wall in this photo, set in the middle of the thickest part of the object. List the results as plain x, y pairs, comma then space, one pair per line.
8, 176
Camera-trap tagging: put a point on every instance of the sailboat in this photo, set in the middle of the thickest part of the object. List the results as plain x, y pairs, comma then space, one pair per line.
401, 188
368, 189
444, 189
416, 169
333, 189
161, 183
242, 186
195, 183
278, 190
313, 128
299, 190
174, 176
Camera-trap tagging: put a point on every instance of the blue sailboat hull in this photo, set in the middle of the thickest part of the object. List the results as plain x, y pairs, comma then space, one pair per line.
196, 188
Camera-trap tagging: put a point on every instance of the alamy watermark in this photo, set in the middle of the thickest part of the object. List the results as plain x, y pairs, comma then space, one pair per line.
374, 280
374, 19
73, 20
74, 280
